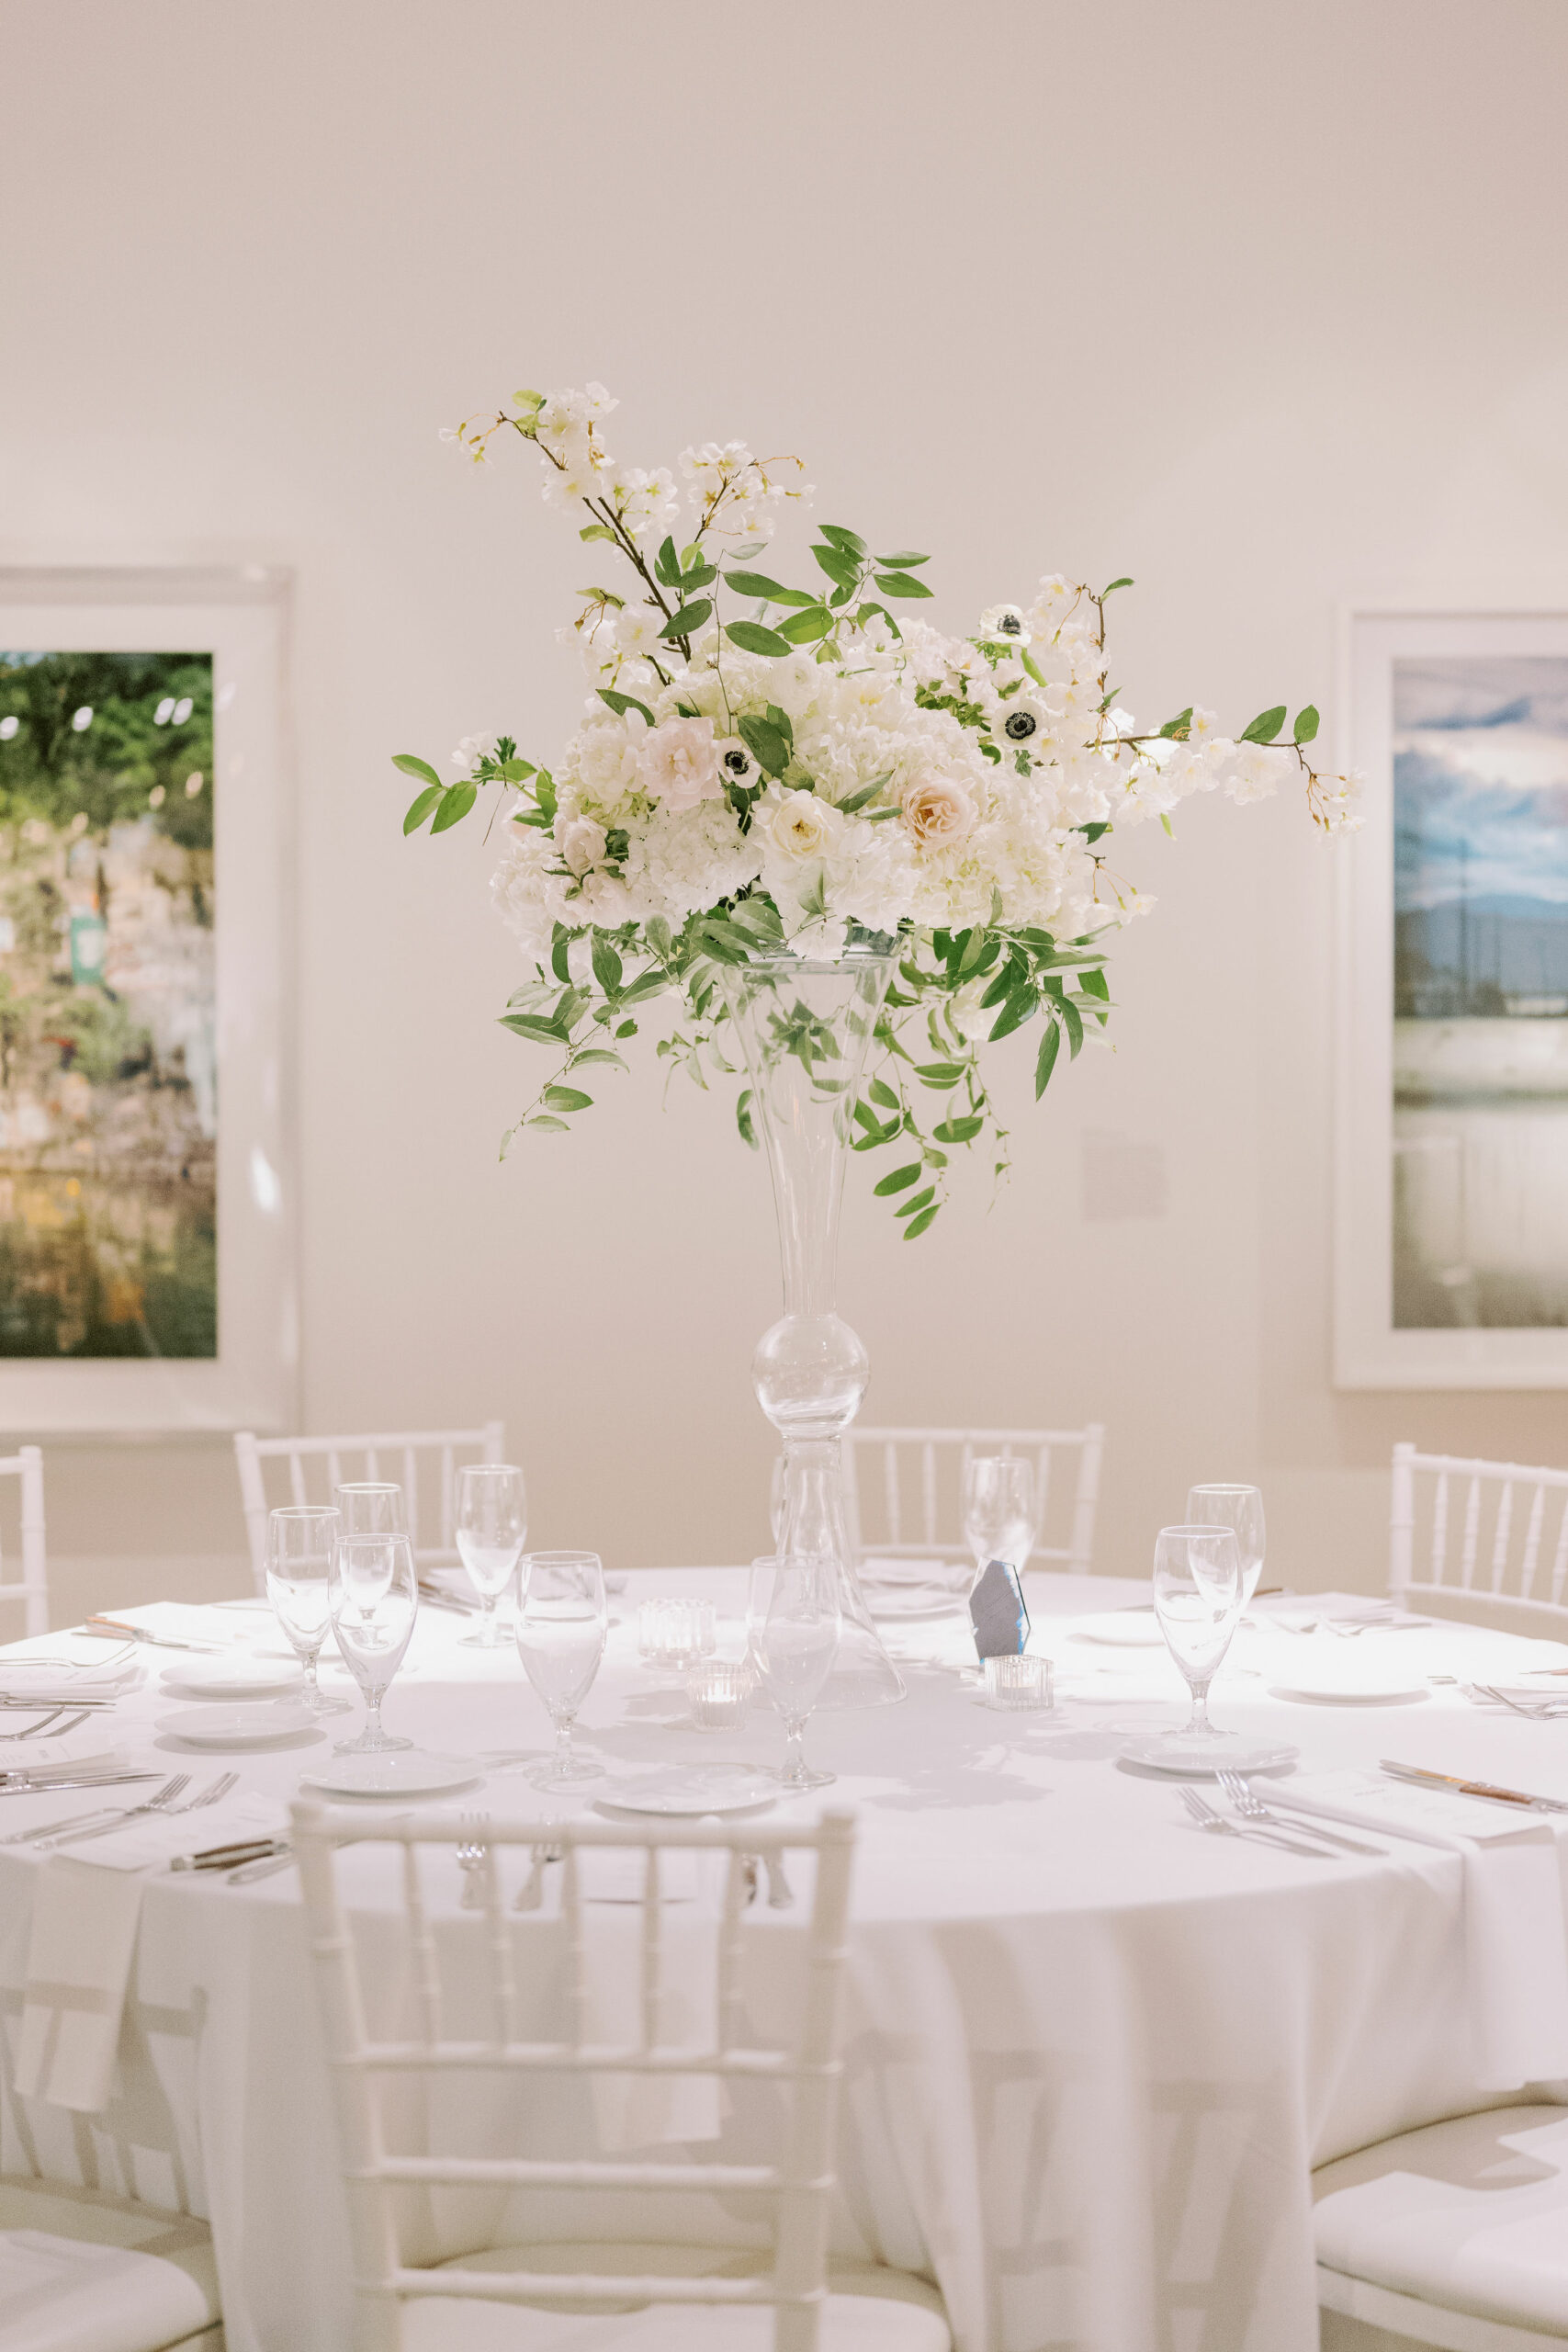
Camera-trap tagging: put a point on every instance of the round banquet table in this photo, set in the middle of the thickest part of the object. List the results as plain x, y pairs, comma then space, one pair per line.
1092, 2054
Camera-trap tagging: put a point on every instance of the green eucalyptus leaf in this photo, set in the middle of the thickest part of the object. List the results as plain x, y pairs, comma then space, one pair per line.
880, 1091
1176, 729
851, 541
899, 584
806, 627
1094, 984
958, 1130
567, 1098
866, 792
917, 1225
1020, 1007
689, 618
756, 584
598, 531
607, 969
620, 704
599, 1054
667, 563
899, 1179
530, 1024
752, 637
939, 1074
543, 1119
1266, 726
698, 575
768, 747
419, 809
1072, 1022
920, 1201
458, 801
902, 560
744, 1120
411, 765
1050, 1045
1113, 587
840, 568
1307, 724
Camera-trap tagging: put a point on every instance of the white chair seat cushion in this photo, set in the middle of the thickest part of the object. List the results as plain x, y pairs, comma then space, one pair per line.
1470, 2216
868, 2309
85, 2273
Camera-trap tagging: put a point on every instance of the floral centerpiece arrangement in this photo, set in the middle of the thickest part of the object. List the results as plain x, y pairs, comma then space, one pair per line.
767, 768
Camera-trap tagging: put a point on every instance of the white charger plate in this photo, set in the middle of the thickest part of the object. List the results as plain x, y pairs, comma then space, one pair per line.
240, 1678
235, 1726
683, 1792
1121, 1629
1334, 1683
398, 1772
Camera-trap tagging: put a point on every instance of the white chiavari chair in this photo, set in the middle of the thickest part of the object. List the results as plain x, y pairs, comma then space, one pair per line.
1484, 1541
26, 1466
424, 1463
907, 1484
470, 2019
1455, 2236
81, 2272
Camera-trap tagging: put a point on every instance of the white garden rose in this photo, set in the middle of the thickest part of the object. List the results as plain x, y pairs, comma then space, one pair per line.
580, 843
678, 763
798, 825
939, 812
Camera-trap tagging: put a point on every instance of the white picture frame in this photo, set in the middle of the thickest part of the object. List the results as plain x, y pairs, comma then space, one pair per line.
1370, 1349
240, 615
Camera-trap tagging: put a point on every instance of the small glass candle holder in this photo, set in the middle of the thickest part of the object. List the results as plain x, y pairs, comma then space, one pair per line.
720, 1694
1023, 1682
675, 1632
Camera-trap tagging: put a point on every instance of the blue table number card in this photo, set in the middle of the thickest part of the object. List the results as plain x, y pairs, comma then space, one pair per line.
997, 1611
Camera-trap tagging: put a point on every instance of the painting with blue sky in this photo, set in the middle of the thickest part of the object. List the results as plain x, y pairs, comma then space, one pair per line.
1481, 991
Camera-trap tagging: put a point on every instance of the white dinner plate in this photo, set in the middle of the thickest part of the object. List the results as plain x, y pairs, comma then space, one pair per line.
1250, 1756
400, 1773
930, 1599
241, 1726
1121, 1629
681, 1791
239, 1678
1339, 1681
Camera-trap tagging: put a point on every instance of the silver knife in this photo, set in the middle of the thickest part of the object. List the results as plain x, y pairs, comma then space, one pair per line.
34, 1784
1474, 1788
248, 1872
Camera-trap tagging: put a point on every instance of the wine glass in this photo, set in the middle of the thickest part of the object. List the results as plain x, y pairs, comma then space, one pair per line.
998, 1510
299, 1539
562, 1620
375, 1599
492, 1522
1237, 1506
371, 1506
792, 1620
1198, 1603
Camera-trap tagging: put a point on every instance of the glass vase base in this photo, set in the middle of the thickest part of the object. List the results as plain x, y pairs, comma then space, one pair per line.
1200, 1755
863, 1675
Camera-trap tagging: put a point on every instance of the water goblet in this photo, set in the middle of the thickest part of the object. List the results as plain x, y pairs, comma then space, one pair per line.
371, 1506
492, 1522
375, 1599
998, 1510
1197, 1589
562, 1620
1238, 1507
792, 1622
299, 1539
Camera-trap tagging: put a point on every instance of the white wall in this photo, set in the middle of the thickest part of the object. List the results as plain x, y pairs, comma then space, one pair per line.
1262, 305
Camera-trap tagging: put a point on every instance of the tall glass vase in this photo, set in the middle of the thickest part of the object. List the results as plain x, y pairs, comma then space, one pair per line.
805, 1028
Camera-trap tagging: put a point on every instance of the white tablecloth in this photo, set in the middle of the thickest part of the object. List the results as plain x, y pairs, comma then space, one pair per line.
1092, 2054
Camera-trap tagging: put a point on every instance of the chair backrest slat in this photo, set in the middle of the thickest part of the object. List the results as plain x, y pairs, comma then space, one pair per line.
791, 2192
425, 1462
936, 1461
1493, 1526
31, 1588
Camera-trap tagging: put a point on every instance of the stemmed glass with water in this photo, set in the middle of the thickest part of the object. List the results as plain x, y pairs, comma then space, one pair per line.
1241, 1509
300, 1541
793, 1624
375, 1601
491, 1526
998, 1510
562, 1622
1197, 1603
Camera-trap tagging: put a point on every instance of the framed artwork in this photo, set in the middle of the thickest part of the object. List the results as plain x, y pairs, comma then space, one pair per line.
1451, 1175
146, 1180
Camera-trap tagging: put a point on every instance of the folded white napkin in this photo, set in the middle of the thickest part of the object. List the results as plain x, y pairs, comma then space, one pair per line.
50, 1685
87, 1905
56, 2291
642, 2110
1517, 1950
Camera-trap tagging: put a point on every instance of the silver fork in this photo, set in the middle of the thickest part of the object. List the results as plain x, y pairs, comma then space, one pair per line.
219, 1789
163, 1803
43, 1723
533, 1890
1252, 1808
1543, 1711
472, 1854
1206, 1817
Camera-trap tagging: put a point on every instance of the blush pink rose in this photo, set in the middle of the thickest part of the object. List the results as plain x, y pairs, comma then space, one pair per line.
678, 763
939, 812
